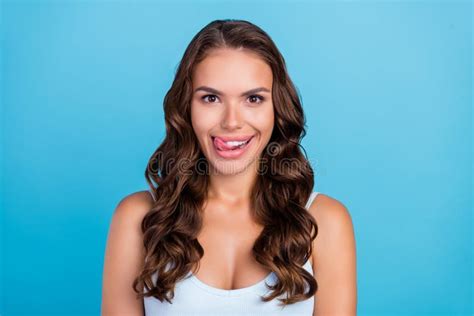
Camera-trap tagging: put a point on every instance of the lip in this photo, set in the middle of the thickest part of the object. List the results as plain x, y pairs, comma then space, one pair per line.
234, 154
233, 138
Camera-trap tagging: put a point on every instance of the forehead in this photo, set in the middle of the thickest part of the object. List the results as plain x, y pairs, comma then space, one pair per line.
231, 69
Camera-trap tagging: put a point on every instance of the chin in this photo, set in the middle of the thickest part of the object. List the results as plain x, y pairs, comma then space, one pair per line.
223, 167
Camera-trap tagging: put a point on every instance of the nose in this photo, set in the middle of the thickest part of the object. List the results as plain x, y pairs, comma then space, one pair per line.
232, 117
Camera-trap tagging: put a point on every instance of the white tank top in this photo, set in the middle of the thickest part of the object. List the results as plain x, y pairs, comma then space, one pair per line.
194, 297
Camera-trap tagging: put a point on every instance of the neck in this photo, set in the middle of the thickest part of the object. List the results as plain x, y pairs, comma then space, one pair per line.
233, 188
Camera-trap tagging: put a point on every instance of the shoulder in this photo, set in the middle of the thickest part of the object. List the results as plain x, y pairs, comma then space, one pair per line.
125, 233
133, 206
125, 226
335, 236
334, 257
124, 255
331, 214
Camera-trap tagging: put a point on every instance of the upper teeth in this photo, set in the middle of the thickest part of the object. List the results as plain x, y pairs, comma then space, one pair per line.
235, 143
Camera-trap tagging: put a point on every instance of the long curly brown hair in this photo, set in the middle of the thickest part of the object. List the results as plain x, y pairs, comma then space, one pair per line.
177, 175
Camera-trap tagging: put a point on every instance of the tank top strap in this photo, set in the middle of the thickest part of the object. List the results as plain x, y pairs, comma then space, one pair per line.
152, 195
312, 196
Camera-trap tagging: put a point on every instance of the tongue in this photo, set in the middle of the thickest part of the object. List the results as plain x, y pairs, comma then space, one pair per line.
221, 145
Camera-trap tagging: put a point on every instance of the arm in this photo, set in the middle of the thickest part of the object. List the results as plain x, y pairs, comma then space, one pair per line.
124, 257
334, 259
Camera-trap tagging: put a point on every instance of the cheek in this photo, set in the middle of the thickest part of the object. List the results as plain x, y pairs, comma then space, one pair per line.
199, 125
263, 119
203, 121
199, 119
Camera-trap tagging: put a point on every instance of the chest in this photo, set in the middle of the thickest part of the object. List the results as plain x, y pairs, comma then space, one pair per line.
227, 239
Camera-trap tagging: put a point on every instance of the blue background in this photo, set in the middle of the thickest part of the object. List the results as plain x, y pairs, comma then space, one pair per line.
386, 88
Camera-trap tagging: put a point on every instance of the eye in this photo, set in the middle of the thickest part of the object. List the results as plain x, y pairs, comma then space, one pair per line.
208, 95
212, 96
259, 97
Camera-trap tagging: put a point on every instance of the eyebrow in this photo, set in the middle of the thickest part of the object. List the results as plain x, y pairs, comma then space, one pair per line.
211, 90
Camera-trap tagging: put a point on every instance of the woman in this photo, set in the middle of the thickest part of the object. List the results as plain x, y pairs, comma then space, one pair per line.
231, 224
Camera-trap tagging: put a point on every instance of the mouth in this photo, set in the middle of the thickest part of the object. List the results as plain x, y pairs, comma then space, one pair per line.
231, 148
228, 143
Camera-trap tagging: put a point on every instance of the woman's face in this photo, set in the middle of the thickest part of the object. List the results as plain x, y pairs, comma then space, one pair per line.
224, 108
